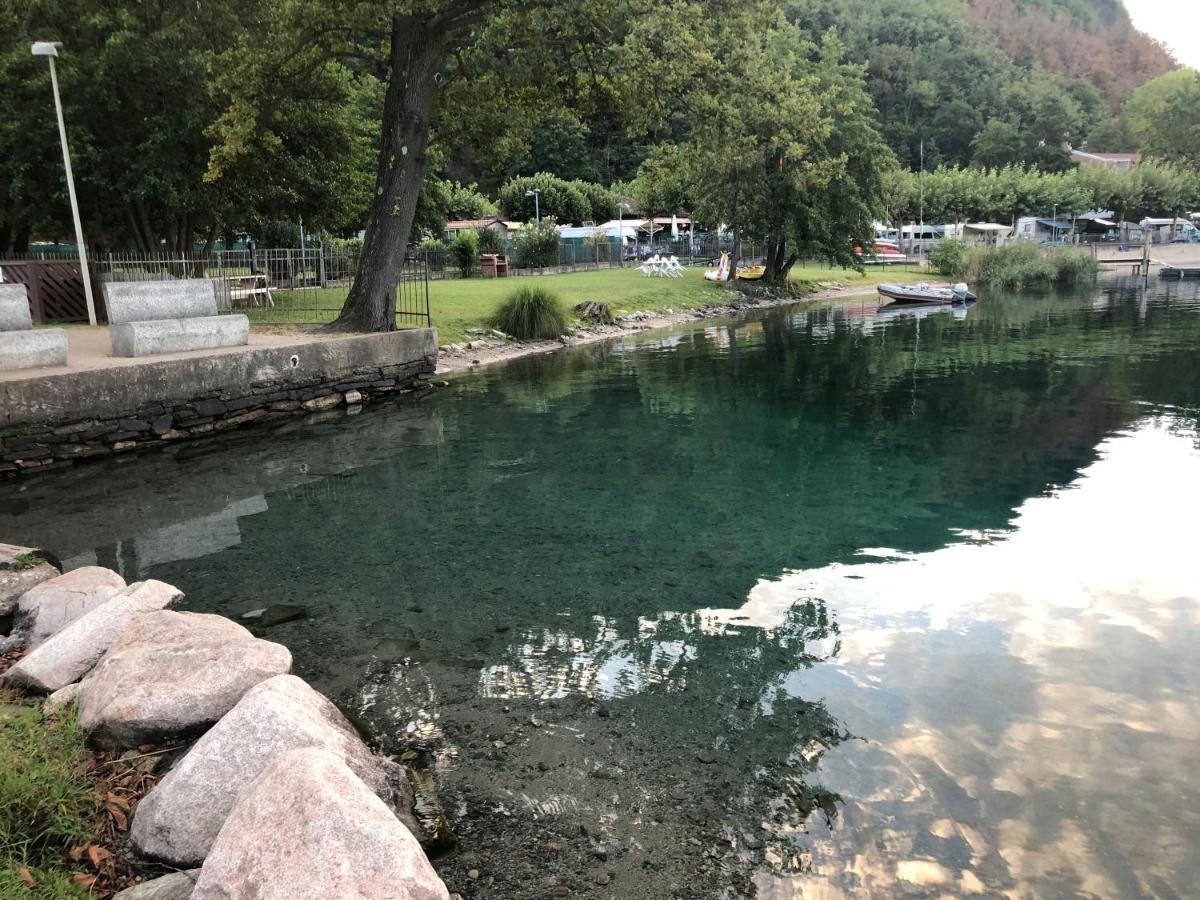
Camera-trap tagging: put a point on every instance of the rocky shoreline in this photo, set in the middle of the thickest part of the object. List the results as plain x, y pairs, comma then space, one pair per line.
268, 790
488, 346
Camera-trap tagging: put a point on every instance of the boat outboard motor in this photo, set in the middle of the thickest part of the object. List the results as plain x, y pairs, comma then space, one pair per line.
962, 293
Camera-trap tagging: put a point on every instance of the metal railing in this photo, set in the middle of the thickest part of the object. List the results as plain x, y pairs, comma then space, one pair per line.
276, 286
584, 255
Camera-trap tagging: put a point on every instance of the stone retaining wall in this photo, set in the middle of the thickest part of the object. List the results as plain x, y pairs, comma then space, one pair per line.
57, 419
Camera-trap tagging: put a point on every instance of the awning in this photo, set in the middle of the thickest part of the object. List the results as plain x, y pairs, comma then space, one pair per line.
1056, 224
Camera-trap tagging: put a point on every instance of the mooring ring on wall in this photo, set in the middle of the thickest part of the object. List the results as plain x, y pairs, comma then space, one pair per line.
294, 361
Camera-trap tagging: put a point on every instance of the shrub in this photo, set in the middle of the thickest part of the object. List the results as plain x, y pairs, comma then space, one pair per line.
465, 249
531, 313
949, 258
536, 246
490, 240
1073, 266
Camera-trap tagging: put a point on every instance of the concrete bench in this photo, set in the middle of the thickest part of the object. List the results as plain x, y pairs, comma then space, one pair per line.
21, 345
146, 318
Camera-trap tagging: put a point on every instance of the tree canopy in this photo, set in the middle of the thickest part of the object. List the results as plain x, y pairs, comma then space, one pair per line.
393, 117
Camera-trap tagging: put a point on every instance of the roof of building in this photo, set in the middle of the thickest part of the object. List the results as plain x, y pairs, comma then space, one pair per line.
1131, 158
482, 223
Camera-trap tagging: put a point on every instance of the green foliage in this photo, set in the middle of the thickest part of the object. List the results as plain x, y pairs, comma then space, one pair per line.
663, 184
27, 560
161, 157
602, 202
47, 801
491, 240
954, 194
787, 153
1073, 266
939, 71
468, 202
1018, 265
949, 258
536, 246
531, 313
1164, 115
562, 200
465, 248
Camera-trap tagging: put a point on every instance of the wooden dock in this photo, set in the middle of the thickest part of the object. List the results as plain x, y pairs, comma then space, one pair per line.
1180, 271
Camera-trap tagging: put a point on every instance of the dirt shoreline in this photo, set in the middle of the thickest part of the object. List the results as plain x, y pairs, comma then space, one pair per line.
488, 349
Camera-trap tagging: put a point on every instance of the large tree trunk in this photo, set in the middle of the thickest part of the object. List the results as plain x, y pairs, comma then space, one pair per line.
778, 263
417, 54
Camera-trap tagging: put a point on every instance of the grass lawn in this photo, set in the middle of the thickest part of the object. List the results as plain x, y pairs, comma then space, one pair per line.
459, 304
48, 803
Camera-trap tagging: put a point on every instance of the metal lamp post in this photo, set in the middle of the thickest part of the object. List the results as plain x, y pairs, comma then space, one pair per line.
49, 49
537, 209
621, 207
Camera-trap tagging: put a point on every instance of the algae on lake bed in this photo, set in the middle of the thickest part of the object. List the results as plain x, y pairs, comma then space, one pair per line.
846, 599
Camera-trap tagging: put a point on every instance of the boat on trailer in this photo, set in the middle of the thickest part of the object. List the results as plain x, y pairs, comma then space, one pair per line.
922, 292
882, 252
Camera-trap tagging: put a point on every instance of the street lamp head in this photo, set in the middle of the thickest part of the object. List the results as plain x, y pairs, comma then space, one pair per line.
533, 192
45, 48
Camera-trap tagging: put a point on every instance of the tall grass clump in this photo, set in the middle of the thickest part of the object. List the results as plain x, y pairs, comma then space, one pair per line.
531, 313
1073, 266
48, 802
1017, 265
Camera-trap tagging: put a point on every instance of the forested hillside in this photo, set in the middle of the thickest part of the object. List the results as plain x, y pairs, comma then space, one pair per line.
1090, 40
257, 113
989, 82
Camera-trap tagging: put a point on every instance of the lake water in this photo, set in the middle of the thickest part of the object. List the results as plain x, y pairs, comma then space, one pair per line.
827, 602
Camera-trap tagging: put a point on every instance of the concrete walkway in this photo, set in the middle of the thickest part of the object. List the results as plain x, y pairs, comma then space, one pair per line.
90, 349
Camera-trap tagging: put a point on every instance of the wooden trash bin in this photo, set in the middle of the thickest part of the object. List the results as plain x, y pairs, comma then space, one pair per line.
493, 265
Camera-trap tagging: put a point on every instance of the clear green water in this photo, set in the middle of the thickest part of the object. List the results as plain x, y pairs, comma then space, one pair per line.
827, 602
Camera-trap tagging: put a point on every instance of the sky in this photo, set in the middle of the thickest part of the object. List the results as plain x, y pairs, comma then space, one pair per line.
1176, 23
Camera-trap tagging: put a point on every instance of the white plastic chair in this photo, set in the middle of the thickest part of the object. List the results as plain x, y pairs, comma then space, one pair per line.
673, 267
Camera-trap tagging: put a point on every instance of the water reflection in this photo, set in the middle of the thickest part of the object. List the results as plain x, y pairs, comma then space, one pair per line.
1031, 701
660, 603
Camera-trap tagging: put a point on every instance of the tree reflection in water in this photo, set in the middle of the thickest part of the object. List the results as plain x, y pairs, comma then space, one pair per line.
612, 755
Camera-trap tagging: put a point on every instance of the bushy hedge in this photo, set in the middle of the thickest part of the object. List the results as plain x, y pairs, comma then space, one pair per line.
558, 198
530, 314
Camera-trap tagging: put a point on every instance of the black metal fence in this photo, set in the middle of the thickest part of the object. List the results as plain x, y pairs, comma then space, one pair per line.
277, 286
589, 254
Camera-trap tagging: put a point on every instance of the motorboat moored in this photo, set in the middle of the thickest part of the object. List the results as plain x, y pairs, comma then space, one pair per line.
923, 292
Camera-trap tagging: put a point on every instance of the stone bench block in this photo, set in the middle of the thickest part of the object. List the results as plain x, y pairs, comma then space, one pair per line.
33, 349
176, 335
144, 301
14, 308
